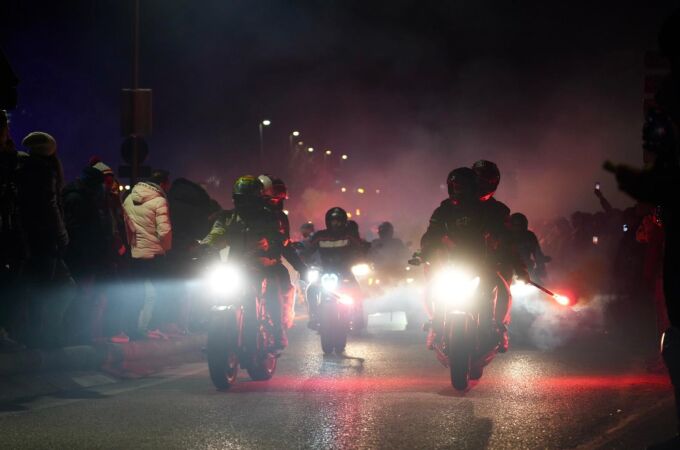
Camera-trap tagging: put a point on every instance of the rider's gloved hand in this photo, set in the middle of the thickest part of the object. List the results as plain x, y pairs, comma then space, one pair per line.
524, 276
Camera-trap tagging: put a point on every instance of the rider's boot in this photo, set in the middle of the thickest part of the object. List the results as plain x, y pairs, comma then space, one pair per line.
503, 339
431, 335
280, 339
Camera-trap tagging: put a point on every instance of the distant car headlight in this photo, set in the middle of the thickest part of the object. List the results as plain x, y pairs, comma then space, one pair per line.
361, 270
225, 279
454, 285
329, 281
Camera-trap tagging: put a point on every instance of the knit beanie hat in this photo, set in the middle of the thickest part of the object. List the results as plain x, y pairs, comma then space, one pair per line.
40, 143
103, 168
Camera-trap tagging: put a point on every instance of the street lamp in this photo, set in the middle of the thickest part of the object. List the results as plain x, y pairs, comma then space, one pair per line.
291, 145
310, 149
264, 123
345, 157
328, 152
360, 190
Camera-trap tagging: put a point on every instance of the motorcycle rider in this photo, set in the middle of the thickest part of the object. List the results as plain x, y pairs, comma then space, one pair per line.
389, 254
528, 246
488, 179
256, 237
466, 227
339, 248
275, 193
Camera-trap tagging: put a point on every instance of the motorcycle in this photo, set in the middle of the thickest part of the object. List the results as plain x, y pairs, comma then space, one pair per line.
466, 339
335, 308
240, 332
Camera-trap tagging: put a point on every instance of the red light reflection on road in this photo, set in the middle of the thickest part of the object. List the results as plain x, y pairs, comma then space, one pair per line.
615, 382
430, 384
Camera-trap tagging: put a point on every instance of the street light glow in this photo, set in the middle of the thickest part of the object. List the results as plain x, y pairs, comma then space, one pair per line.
266, 122
296, 133
361, 190
345, 156
310, 149
377, 191
328, 152
344, 189
358, 212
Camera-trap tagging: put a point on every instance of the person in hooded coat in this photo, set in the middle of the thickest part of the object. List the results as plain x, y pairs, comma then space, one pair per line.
149, 230
49, 286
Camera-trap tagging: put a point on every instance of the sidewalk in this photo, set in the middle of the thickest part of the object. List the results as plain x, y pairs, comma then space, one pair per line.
33, 373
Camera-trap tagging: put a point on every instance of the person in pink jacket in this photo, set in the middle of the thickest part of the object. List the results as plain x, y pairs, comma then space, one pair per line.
149, 231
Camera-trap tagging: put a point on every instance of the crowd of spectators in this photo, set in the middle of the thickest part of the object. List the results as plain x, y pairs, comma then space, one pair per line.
612, 251
91, 260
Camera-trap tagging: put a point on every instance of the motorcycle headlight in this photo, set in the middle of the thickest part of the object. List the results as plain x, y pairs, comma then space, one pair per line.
313, 275
361, 270
454, 285
225, 280
329, 281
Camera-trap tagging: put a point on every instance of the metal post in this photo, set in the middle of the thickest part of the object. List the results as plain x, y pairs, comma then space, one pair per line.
261, 126
135, 85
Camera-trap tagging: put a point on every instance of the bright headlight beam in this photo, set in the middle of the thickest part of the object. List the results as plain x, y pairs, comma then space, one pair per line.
224, 279
329, 281
361, 270
313, 276
454, 285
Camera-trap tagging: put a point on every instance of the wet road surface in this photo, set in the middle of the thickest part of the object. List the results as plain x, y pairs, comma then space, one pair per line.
387, 392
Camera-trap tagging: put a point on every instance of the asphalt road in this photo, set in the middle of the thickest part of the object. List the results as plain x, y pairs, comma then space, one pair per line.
388, 392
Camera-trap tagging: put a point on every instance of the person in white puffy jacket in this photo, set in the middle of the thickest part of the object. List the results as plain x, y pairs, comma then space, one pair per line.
149, 230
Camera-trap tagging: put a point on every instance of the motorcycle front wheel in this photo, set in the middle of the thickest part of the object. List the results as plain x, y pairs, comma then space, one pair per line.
222, 352
263, 363
459, 350
333, 334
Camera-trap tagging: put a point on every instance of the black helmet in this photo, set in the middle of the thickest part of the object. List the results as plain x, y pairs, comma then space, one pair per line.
338, 214
462, 183
385, 230
307, 229
279, 189
488, 177
519, 221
